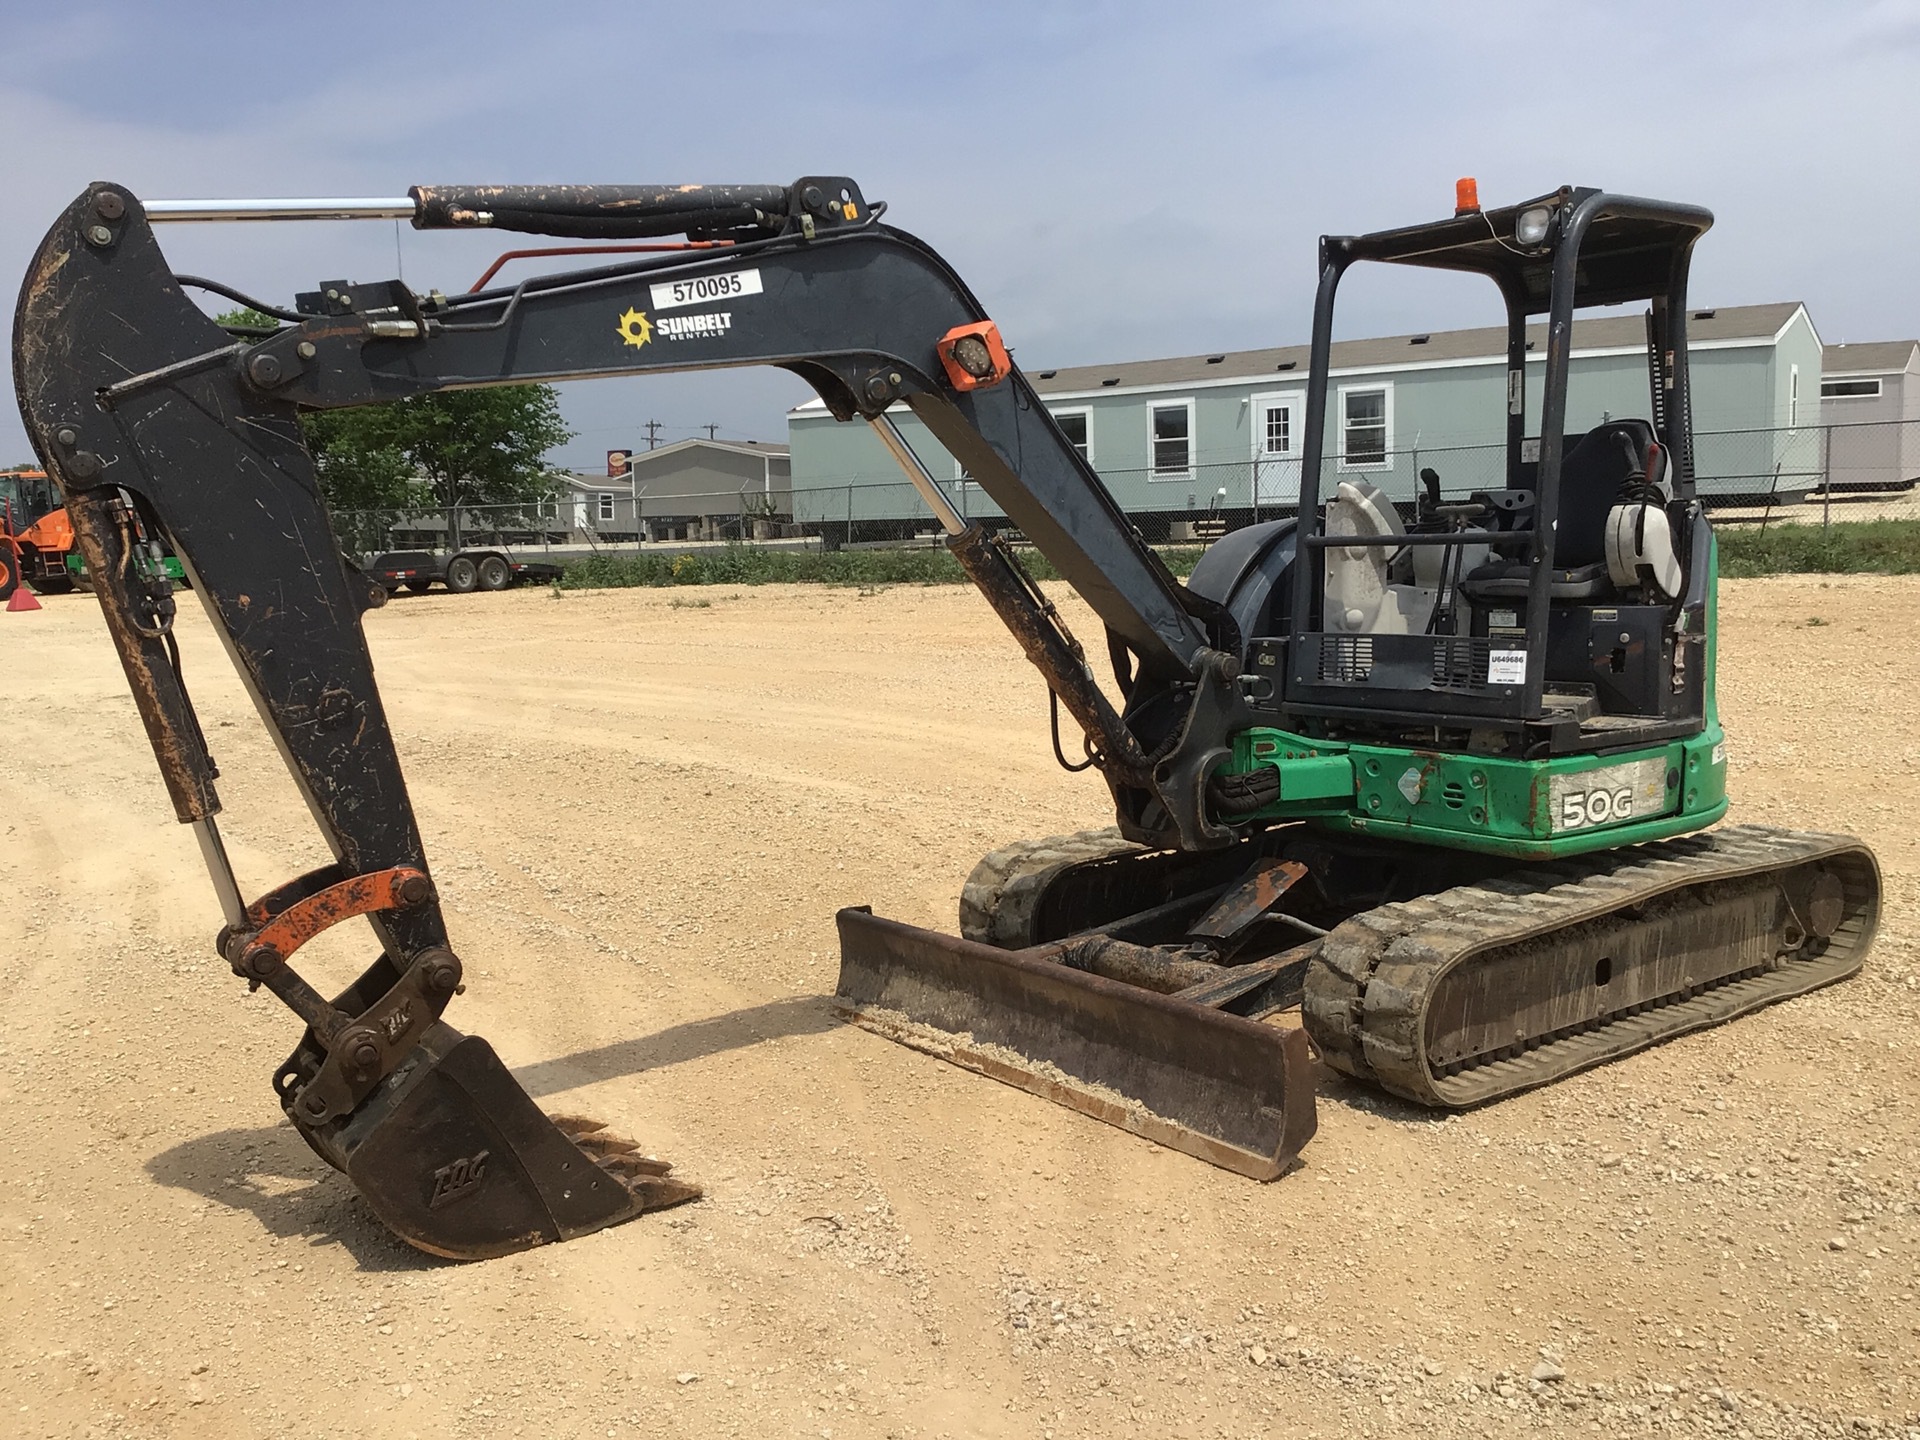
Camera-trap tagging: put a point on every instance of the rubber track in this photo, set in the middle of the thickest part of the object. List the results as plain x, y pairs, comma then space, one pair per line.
998, 900
1366, 995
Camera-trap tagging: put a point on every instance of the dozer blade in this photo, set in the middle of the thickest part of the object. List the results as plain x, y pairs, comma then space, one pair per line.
1217, 1086
456, 1159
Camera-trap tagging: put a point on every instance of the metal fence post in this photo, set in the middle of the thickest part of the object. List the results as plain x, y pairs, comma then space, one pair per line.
1826, 479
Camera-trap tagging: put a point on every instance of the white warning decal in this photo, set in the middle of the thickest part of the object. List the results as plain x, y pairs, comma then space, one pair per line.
705, 289
1506, 667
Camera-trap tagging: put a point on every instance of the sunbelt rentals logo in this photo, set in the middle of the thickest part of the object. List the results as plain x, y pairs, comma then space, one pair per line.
696, 327
635, 329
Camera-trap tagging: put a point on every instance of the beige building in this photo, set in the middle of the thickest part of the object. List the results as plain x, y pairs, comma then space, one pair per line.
1870, 404
689, 490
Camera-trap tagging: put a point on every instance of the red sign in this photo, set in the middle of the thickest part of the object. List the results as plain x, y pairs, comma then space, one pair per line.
619, 462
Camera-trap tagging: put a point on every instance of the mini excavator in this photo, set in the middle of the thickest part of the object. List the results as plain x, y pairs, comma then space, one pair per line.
1432, 774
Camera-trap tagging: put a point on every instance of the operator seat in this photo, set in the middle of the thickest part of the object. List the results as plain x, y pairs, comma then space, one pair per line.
1594, 471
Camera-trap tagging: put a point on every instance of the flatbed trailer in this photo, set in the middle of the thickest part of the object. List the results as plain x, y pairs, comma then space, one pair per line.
461, 572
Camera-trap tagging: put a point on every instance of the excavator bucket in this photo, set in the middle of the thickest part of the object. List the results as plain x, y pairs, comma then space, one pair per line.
456, 1159
1232, 1091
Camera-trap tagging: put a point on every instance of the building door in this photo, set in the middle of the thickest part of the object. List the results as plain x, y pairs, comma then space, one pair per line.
1277, 421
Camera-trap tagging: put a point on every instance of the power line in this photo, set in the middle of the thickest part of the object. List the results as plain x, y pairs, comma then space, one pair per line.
666, 429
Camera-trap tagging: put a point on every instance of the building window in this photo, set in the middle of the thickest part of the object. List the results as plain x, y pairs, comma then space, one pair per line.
1366, 427
1850, 389
1793, 396
1077, 426
1279, 437
606, 506
1172, 439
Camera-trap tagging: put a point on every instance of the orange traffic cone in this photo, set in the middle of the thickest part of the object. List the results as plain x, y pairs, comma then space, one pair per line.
22, 600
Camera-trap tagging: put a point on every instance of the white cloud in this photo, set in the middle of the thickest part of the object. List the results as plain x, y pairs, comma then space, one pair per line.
1115, 182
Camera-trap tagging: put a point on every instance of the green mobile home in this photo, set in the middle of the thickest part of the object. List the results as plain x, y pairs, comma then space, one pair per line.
1182, 440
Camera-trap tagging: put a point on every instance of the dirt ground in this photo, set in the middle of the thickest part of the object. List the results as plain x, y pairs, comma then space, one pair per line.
642, 810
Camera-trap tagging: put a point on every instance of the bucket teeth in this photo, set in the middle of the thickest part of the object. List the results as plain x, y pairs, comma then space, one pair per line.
644, 1175
656, 1192
607, 1145
617, 1164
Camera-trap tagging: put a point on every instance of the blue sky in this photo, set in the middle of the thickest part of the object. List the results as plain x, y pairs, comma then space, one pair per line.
1115, 180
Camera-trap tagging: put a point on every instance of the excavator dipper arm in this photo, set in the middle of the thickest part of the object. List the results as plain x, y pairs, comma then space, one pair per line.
157, 423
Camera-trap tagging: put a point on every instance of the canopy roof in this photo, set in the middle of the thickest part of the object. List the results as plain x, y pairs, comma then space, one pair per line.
1628, 251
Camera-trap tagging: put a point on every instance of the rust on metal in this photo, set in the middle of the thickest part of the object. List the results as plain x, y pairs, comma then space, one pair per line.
174, 733
1235, 1092
1148, 966
283, 920
371, 1045
299, 922
585, 210
1247, 903
1053, 654
274, 901
1282, 977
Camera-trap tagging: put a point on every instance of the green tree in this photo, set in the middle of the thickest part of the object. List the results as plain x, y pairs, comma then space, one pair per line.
368, 482
454, 449
252, 324
448, 450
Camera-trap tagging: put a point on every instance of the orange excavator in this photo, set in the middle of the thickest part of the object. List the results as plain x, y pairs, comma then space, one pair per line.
36, 535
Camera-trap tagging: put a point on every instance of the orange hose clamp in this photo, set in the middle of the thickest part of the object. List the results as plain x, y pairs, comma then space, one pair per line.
974, 356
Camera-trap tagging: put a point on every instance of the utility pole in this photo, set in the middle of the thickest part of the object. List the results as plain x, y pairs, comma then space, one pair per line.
710, 429
653, 433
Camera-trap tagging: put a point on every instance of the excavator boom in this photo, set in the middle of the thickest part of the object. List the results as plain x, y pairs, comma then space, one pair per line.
158, 425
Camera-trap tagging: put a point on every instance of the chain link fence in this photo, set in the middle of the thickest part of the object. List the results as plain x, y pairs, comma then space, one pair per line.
585, 523
1756, 468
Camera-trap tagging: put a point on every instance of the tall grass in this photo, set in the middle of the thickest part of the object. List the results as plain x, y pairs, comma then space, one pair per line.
1859, 547
745, 565
1883, 547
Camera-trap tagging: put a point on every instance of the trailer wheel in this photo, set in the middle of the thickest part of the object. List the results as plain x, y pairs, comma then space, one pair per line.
463, 576
495, 573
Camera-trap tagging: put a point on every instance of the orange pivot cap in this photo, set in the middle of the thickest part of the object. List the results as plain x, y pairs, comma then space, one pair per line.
974, 357
1466, 196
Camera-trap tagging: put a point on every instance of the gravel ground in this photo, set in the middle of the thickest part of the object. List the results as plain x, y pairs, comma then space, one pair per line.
642, 809
1893, 505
